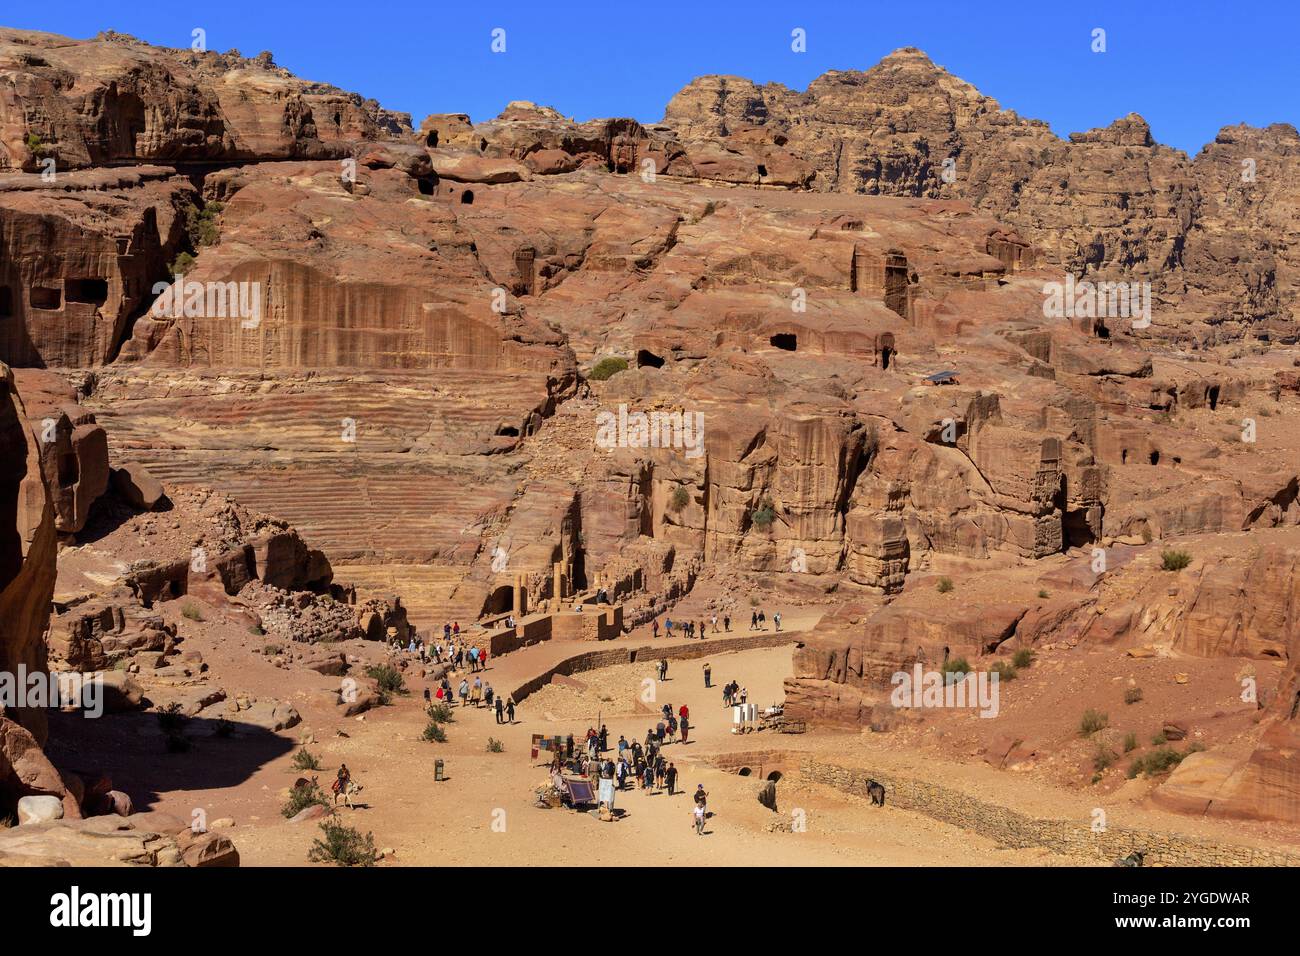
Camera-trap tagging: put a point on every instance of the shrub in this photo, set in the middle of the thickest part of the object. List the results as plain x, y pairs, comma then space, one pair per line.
201, 224
1132, 695
270, 650
1175, 560
1158, 761
680, 498
34, 143
433, 733
191, 613
607, 368
300, 798
1158, 740
1005, 670
495, 746
305, 760
956, 665
170, 719
1130, 742
1104, 758
256, 630
440, 713
944, 585
1022, 658
182, 264
389, 679
343, 845
1092, 721
1044, 593
765, 514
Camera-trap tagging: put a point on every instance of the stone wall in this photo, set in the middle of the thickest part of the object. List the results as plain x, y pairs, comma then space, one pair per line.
1011, 828
593, 660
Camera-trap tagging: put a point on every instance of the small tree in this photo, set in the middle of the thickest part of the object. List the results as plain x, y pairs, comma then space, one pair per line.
343, 845
765, 514
305, 760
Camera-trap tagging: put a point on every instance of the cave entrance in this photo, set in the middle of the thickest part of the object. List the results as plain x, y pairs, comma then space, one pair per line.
762, 170
786, 341
647, 359
467, 197
69, 471
1212, 396
432, 139
501, 600
43, 297
428, 185
1155, 457
1075, 528
89, 291
6, 302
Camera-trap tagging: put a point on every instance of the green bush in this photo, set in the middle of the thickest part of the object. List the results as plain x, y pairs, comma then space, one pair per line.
202, 225
344, 846
389, 679
680, 498
1161, 760
191, 613
34, 143
495, 746
1130, 742
1132, 695
300, 798
305, 760
1022, 658
944, 585
607, 368
765, 514
1175, 560
182, 264
1092, 721
1005, 670
170, 718
1158, 740
433, 733
956, 665
1044, 593
439, 712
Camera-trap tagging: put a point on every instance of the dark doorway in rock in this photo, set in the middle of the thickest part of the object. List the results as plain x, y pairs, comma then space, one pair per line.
1212, 396
42, 297
744, 771
1075, 529
762, 170
91, 291
6, 302
428, 185
467, 197
1123, 456
1155, 457
774, 776
647, 359
482, 145
508, 430
69, 471
1099, 329
786, 341
500, 601
432, 139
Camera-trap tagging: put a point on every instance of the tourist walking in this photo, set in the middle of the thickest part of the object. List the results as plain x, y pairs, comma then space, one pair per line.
708, 676
753, 620
510, 709
670, 777
501, 711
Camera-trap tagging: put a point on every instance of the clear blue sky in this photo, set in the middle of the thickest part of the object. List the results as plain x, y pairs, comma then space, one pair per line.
1189, 68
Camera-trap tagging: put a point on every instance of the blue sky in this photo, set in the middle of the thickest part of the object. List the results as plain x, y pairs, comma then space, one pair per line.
1189, 68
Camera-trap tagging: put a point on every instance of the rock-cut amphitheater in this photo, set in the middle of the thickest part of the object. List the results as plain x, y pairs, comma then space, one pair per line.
287, 378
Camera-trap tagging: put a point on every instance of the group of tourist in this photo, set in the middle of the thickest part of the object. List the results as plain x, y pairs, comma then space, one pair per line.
643, 764
733, 694
691, 629
758, 620
478, 693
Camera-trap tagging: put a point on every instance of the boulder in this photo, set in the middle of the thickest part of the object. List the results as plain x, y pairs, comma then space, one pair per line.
137, 487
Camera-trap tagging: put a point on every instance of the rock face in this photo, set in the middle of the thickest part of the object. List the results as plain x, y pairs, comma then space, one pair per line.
112, 841
114, 99
842, 373
1109, 202
28, 543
